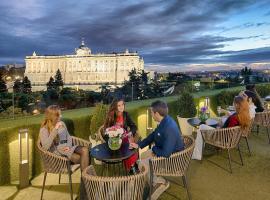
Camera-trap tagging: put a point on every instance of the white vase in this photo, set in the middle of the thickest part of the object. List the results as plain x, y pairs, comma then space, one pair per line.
185, 127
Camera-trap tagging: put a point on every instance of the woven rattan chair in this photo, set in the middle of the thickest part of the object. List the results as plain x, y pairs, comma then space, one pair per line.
56, 164
224, 138
176, 165
246, 133
114, 188
263, 119
100, 134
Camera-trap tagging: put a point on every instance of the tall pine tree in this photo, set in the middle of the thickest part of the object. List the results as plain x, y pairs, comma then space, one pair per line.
26, 85
58, 80
18, 86
50, 84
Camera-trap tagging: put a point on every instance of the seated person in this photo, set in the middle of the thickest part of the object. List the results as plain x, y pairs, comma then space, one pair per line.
252, 93
240, 118
242, 115
55, 138
167, 138
252, 107
118, 116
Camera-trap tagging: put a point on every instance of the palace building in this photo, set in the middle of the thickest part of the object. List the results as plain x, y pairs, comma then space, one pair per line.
82, 70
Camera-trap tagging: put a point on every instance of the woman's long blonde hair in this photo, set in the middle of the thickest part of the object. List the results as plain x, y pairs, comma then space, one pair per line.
52, 114
242, 109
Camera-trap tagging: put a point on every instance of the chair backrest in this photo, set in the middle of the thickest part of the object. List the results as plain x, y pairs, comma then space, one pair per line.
52, 163
100, 134
225, 138
247, 131
177, 163
262, 118
114, 188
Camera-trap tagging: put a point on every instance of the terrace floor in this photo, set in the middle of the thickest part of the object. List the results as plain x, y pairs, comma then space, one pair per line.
207, 180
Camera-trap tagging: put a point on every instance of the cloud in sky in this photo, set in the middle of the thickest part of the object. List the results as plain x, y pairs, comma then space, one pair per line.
173, 33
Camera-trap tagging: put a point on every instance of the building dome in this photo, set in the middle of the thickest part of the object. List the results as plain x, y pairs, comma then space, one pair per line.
82, 50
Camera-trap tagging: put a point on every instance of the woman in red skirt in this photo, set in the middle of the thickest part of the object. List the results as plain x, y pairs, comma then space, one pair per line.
118, 116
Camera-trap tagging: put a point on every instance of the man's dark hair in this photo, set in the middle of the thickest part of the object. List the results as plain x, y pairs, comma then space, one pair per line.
250, 87
160, 107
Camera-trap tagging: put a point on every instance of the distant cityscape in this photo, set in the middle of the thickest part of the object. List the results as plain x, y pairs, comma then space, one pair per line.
17, 71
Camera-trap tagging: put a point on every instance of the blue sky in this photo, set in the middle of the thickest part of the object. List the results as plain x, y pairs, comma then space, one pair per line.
171, 35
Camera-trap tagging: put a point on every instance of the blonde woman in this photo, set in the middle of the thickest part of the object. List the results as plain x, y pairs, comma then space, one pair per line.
55, 138
241, 118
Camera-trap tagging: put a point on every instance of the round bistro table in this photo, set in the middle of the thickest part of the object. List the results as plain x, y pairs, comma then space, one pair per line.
196, 122
109, 157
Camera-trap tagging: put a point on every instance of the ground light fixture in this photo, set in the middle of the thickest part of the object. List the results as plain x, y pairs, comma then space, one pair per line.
24, 158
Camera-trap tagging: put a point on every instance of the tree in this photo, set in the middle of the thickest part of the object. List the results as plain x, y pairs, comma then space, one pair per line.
58, 80
50, 84
246, 72
18, 86
3, 86
144, 77
105, 93
26, 85
68, 98
186, 105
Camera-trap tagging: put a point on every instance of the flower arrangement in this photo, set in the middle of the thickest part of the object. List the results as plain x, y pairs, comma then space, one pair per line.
114, 131
115, 134
203, 114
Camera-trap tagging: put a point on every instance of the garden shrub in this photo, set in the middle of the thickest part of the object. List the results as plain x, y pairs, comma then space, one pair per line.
225, 98
186, 105
98, 119
263, 90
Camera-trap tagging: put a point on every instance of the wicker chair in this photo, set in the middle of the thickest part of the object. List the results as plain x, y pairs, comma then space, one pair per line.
56, 164
100, 134
224, 138
246, 133
263, 119
114, 188
176, 165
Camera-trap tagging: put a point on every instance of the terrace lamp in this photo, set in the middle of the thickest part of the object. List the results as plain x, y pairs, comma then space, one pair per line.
207, 105
149, 126
24, 158
207, 102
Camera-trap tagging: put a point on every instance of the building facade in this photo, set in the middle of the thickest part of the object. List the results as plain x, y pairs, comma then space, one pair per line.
83, 69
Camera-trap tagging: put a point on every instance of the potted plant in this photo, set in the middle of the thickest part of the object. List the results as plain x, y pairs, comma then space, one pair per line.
96, 121
186, 110
115, 134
